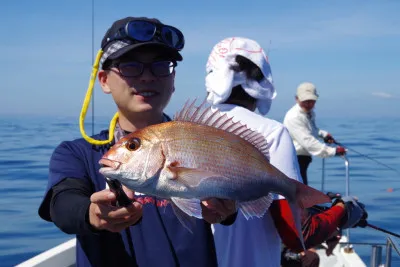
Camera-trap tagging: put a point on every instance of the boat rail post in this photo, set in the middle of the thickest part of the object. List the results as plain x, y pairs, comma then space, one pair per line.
388, 254
376, 256
323, 176
349, 247
390, 243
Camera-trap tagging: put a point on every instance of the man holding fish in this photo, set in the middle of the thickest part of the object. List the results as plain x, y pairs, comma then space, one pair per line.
138, 60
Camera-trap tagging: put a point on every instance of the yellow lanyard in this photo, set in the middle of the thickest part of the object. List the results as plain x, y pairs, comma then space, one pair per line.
85, 107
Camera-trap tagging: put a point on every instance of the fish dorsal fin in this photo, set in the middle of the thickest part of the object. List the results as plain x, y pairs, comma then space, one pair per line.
208, 116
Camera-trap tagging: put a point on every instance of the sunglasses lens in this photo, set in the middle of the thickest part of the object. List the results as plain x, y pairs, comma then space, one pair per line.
131, 69
141, 30
162, 68
173, 37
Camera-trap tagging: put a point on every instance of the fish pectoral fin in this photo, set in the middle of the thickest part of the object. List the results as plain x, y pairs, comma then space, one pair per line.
170, 171
187, 221
192, 177
255, 208
191, 206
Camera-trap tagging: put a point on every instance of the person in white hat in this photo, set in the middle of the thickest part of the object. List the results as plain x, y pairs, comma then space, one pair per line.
300, 122
238, 82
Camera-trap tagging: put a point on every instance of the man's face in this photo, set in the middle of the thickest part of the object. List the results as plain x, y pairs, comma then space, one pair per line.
306, 105
145, 93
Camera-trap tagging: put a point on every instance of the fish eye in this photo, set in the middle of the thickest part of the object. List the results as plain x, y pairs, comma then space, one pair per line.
133, 144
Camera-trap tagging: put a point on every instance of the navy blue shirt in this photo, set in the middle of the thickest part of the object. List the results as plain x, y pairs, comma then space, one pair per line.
159, 239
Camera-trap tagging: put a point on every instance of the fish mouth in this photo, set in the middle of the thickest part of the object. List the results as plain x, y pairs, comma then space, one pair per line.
108, 164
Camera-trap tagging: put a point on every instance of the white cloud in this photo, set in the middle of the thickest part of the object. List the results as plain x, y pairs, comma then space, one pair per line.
382, 95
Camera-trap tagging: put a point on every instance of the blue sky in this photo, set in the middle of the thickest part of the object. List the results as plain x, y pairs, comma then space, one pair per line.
349, 49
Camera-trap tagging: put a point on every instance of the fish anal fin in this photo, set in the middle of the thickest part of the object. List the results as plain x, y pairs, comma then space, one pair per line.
191, 206
255, 208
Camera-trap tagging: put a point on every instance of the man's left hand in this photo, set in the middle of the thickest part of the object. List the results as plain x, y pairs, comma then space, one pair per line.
216, 210
329, 139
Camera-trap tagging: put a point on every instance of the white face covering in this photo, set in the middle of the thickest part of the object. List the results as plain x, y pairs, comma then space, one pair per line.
221, 78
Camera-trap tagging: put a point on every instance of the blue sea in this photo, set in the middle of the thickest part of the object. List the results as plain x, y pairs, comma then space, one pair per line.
27, 144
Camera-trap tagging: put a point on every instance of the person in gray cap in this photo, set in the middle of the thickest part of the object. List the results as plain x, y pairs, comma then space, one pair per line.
138, 58
300, 122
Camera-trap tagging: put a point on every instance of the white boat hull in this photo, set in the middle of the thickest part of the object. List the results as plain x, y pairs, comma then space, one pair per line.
341, 256
63, 255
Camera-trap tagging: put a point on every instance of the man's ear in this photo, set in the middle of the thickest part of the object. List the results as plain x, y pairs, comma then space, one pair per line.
103, 76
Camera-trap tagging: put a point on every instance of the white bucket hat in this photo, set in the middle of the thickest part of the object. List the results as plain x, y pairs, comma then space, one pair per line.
221, 78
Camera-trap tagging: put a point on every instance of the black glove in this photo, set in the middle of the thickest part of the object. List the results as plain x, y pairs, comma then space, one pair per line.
329, 139
363, 222
355, 213
332, 195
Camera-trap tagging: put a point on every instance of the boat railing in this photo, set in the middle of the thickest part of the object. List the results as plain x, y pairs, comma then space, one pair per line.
376, 253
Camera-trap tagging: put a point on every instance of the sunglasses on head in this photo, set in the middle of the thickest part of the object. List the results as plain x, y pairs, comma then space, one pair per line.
145, 31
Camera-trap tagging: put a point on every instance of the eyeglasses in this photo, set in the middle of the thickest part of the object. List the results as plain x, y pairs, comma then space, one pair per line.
144, 31
135, 69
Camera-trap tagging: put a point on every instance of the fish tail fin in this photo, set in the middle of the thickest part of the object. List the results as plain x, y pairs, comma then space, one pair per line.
307, 196
296, 211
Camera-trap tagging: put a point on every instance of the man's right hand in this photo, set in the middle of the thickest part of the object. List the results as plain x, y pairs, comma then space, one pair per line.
340, 151
104, 216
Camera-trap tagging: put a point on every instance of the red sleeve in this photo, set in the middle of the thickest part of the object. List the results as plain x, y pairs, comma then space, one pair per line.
316, 228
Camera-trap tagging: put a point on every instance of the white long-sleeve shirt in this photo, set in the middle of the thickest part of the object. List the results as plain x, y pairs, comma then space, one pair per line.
256, 242
305, 133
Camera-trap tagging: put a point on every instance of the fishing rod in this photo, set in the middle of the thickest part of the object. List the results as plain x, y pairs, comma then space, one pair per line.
382, 230
362, 223
366, 156
92, 65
